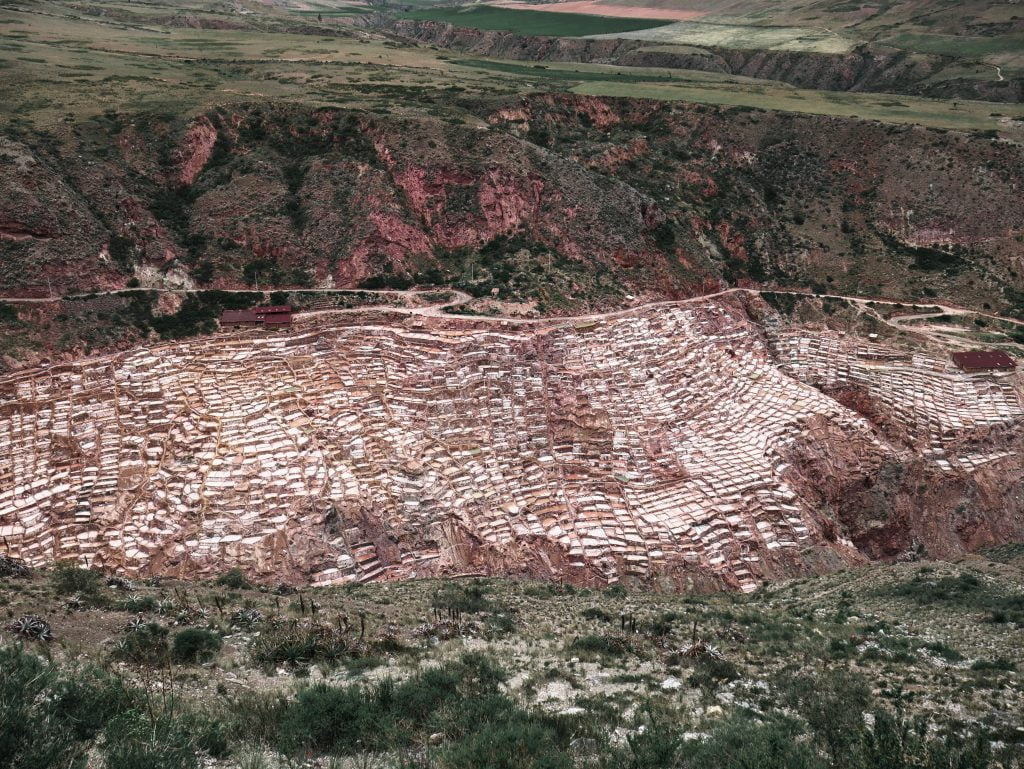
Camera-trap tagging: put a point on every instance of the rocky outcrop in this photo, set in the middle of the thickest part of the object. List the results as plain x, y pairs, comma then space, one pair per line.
863, 69
567, 199
195, 151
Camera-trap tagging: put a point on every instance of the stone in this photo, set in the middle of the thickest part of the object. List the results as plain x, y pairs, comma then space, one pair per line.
671, 684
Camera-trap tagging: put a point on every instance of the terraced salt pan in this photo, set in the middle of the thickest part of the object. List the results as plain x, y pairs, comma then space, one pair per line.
652, 443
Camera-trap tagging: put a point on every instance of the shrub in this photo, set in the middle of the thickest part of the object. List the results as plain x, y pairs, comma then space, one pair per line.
508, 745
144, 645
383, 716
257, 717
46, 717
598, 614
137, 604
133, 741
195, 645
31, 736
997, 664
832, 703
742, 744
234, 579
68, 577
710, 673
8, 313
330, 719
304, 644
898, 743
468, 599
658, 746
612, 646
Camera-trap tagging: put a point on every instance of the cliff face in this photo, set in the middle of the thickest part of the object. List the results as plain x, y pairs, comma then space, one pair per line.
860, 70
304, 197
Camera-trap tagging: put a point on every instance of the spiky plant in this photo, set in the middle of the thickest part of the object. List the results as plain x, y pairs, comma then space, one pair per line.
31, 627
246, 618
120, 583
13, 567
76, 603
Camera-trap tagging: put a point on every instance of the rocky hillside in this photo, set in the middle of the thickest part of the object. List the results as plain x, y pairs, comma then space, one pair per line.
561, 201
864, 69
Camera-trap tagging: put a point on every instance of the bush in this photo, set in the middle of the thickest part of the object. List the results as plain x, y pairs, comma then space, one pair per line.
508, 745
257, 717
384, 716
133, 741
468, 599
611, 646
144, 645
68, 578
710, 673
742, 744
303, 644
832, 703
997, 664
897, 743
234, 579
31, 736
46, 718
195, 645
330, 719
8, 313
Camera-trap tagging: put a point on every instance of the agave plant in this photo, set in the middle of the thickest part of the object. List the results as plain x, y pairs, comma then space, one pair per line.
12, 567
135, 624
701, 650
32, 627
76, 603
246, 618
120, 583
164, 607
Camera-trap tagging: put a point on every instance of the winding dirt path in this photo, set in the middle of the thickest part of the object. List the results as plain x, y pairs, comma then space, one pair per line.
942, 334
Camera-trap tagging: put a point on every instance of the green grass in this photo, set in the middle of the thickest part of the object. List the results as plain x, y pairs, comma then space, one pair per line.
959, 45
533, 22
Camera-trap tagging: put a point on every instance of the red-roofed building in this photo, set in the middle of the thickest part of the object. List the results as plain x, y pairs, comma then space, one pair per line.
275, 317
984, 360
239, 319
277, 320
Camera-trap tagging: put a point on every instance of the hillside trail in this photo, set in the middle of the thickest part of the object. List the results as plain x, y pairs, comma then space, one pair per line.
934, 332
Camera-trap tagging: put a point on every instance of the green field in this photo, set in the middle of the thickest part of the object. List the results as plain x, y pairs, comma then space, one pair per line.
59, 65
733, 91
533, 22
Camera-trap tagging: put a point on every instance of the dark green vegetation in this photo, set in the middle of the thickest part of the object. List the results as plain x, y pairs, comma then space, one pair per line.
532, 22
898, 667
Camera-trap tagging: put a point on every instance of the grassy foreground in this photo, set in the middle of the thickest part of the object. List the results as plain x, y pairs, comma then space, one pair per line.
913, 665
